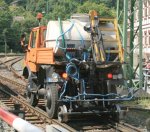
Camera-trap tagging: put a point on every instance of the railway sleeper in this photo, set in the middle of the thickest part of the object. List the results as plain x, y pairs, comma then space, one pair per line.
36, 122
31, 118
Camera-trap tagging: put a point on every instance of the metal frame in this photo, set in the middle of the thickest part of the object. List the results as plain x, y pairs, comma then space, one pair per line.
125, 13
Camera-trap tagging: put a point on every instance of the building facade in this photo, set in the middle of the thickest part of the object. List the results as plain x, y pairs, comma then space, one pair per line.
145, 27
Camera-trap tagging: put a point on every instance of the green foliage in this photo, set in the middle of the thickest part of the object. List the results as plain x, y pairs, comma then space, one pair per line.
17, 10
63, 9
5, 22
20, 18
5, 16
102, 9
8, 1
14, 20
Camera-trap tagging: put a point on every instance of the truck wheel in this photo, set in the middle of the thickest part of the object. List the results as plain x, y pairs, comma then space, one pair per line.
31, 97
51, 100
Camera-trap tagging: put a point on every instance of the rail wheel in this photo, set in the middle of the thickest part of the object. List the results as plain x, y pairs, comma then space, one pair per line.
62, 114
115, 115
51, 100
30, 96
32, 99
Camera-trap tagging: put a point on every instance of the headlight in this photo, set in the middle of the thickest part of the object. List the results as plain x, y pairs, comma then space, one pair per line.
55, 75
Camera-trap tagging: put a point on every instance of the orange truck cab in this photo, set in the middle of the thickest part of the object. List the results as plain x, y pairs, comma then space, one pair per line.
36, 53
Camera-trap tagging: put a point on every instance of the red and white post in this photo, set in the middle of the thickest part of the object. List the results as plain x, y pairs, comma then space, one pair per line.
18, 123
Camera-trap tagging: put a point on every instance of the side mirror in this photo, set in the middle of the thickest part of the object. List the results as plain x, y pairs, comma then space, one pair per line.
22, 42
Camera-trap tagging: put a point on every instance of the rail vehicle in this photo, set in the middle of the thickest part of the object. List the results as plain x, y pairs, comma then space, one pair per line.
75, 66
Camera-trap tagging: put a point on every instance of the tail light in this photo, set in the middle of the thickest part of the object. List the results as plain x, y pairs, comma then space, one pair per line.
65, 75
109, 76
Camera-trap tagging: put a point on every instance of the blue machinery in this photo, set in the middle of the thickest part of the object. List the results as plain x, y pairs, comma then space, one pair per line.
81, 68
82, 96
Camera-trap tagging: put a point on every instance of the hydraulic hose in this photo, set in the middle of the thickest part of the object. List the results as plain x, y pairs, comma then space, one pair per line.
64, 89
108, 56
63, 33
72, 71
57, 42
82, 40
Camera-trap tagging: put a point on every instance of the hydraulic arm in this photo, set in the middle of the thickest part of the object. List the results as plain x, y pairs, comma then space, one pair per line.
96, 39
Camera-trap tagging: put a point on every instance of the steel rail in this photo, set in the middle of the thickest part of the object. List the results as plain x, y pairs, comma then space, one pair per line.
42, 115
124, 127
20, 87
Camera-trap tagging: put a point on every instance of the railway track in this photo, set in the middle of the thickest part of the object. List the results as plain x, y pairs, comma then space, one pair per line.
9, 65
33, 115
124, 127
10, 54
19, 88
39, 117
97, 124
10, 61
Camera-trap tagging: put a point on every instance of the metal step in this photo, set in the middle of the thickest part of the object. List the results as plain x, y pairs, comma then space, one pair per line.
107, 19
112, 51
107, 29
110, 40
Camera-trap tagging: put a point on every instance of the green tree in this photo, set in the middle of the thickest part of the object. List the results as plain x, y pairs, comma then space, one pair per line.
63, 9
102, 9
17, 11
5, 23
14, 20
5, 16
12, 26
36, 5
18, 27
8, 1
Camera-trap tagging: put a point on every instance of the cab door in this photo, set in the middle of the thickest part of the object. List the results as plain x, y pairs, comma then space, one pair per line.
32, 48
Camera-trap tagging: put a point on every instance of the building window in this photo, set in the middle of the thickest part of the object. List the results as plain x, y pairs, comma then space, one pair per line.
145, 9
145, 38
149, 9
149, 38
145, 3
145, 12
137, 15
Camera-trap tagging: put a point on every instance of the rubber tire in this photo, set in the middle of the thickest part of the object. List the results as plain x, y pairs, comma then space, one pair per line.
31, 97
52, 106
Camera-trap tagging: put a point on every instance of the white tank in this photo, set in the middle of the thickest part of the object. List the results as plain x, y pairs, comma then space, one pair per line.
74, 34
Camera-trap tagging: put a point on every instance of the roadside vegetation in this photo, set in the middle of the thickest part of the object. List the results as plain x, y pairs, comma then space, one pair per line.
144, 103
